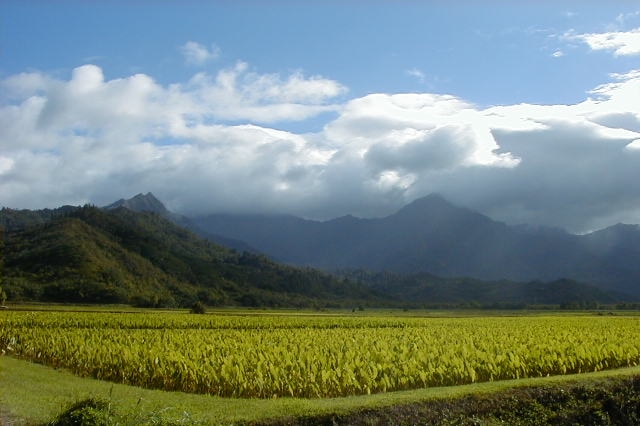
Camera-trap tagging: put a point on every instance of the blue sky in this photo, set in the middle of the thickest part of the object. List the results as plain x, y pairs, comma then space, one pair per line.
487, 52
522, 110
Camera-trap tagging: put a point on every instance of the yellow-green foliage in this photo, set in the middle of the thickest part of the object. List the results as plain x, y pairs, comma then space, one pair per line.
267, 356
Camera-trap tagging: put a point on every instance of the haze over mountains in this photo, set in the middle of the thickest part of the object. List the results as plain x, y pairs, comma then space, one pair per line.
432, 235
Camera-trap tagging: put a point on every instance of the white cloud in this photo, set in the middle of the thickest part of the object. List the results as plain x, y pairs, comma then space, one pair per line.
90, 139
558, 54
417, 131
94, 139
198, 54
22, 85
240, 94
622, 43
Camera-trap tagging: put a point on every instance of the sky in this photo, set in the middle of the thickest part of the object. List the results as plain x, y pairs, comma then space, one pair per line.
528, 112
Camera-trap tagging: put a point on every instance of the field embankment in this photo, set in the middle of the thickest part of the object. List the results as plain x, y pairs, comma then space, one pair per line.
595, 402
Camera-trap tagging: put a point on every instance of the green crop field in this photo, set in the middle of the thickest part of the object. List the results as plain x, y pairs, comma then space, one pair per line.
285, 355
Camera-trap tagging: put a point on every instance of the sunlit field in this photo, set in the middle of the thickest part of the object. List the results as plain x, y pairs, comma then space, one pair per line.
284, 354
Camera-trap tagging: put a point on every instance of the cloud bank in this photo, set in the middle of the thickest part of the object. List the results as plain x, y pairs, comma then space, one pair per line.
211, 144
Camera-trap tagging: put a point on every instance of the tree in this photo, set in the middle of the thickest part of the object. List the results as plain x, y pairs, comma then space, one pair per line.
198, 308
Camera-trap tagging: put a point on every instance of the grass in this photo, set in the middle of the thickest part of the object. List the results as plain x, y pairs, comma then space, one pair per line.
34, 394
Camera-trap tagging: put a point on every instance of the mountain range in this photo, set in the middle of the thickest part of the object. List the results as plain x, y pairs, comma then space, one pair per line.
434, 236
429, 253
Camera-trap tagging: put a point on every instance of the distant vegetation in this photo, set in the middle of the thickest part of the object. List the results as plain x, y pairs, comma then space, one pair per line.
429, 291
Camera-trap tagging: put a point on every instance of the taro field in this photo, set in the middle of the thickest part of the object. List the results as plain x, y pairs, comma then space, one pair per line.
315, 356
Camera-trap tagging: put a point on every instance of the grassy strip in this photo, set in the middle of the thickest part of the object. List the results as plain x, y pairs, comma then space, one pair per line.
603, 401
36, 394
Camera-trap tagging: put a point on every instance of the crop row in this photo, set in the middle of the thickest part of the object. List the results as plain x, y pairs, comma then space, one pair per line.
327, 361
166, 320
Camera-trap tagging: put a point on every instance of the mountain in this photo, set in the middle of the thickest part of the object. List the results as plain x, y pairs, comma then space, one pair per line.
435, 236
117, 255
149, 203
142, 203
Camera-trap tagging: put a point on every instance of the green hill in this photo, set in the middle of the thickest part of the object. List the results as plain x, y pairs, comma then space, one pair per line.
90, 255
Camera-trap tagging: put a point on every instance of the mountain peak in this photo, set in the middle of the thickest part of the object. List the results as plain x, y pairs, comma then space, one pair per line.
141, 203
431, 204
430, 200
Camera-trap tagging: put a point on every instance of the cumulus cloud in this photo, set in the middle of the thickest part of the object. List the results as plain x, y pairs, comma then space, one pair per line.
622, 43
92, 139
578, 162
240, 94
198, 54
206, 145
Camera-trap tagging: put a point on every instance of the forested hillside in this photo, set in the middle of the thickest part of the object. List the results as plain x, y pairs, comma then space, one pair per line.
89, 255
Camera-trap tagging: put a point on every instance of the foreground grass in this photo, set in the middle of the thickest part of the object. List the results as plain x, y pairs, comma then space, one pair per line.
33, 394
